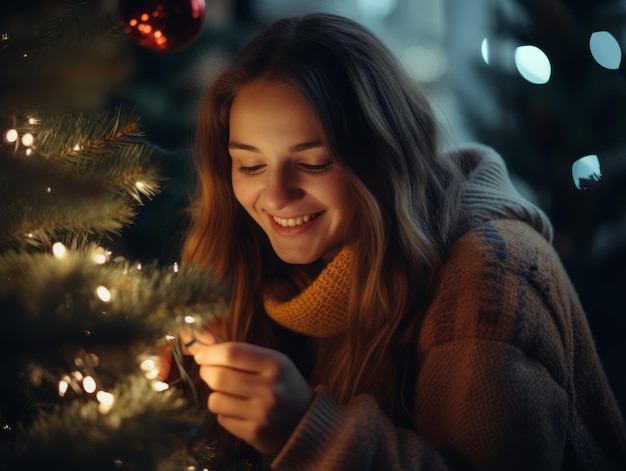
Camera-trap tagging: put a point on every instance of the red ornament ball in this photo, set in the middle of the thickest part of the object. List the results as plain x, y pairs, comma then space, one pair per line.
162, 25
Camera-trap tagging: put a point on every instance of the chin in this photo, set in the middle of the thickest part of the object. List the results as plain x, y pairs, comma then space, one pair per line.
298, 258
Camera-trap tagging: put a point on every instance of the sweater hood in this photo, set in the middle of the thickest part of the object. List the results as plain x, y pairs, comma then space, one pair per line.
488, 192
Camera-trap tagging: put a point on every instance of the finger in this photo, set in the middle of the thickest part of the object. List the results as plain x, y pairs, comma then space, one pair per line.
231, 406
242, 356
231, 381
192, 339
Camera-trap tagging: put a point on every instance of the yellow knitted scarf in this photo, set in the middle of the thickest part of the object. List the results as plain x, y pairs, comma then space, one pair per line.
310, 305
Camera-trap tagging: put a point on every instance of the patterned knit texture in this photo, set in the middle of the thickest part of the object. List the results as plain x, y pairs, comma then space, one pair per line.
489, 193
507, 376
315, 307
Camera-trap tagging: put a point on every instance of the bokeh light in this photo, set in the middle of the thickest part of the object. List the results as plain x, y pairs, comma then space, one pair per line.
484, 50
533, 64
605, 50
586, 172
104, 294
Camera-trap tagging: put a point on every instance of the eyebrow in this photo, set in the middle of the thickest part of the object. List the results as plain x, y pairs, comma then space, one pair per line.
234, 145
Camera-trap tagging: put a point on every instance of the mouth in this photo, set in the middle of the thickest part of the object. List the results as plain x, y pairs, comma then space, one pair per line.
297, 221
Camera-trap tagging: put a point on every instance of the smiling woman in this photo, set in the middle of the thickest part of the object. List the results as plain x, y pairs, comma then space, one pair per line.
393, 306
283, 176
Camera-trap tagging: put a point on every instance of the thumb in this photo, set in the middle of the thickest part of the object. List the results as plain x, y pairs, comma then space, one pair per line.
191, 340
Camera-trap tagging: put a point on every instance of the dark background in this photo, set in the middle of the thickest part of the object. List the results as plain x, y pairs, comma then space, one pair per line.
541, 130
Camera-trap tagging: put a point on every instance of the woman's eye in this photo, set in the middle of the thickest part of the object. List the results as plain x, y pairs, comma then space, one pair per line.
250, 170
316, 168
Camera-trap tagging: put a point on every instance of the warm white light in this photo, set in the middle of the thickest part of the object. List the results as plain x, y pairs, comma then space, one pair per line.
140, 185
11, 135
28, 139
29, 151
160, 386
58, 249
100, 256
48, 190
89, 384
63, 386
32, 120
148, 364
190, 319
106, 401
76, 147
139, 266
104, 294
105, 398
175, 267
152, 374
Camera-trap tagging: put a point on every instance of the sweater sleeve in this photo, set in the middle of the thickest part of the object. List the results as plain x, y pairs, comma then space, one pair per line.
356, 436
507, 413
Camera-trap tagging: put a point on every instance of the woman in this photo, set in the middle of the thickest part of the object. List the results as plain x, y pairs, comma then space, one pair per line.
392, 306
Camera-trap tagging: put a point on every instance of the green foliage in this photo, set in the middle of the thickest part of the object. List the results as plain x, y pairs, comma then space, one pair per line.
83, 329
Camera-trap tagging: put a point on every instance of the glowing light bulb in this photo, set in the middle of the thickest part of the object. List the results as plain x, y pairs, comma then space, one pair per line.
160, 386
100, 256
11, 136
63, 387
89, 384
28, 139
106, 401
104, 294
59, 250
152, 374
147, 365
105, 398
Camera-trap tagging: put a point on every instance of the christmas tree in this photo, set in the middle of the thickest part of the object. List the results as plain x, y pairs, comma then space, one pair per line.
84, 327
569, 116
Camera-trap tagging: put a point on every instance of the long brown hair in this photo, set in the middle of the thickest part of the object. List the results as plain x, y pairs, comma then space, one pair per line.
380, 129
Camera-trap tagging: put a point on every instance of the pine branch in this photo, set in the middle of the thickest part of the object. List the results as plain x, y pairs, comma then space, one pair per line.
138, 430
54, 300
79, 179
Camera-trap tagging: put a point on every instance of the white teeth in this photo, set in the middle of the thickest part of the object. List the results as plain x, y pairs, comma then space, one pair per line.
292, 222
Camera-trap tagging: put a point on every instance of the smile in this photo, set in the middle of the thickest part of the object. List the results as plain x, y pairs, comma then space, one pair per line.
293, 222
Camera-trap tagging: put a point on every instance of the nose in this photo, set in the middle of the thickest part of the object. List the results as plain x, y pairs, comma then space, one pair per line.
281, 188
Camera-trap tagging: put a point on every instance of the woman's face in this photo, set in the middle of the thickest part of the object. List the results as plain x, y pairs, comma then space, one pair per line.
284, 177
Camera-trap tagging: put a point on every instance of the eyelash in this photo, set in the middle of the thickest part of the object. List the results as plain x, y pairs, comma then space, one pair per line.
250, 170
309, 168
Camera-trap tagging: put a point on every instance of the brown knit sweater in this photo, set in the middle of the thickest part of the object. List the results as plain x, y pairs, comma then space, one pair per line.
507, 373
508, 376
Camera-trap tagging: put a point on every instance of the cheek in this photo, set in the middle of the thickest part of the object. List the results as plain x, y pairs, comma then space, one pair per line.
245, 193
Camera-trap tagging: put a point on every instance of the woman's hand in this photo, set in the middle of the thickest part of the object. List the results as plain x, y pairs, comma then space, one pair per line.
258, 394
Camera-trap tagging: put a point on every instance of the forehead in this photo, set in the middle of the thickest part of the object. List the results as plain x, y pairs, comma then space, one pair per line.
264, 105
